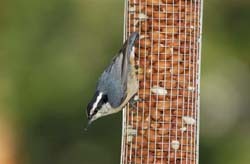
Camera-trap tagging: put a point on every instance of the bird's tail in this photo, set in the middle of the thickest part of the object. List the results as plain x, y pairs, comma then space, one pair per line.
125, 54
130, 43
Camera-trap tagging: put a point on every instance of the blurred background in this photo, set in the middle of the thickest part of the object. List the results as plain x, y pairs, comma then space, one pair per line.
52, 52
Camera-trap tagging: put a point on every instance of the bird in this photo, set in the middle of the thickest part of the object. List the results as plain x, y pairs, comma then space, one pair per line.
117, 85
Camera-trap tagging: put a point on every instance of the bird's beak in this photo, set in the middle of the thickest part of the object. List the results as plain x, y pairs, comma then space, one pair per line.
89, 123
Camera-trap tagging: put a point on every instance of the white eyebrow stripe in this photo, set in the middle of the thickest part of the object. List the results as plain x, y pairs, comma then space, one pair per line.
96, 103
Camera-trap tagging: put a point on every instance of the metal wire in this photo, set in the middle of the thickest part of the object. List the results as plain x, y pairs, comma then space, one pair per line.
164, 127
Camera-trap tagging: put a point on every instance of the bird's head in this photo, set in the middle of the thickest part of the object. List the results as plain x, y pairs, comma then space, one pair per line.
97, 107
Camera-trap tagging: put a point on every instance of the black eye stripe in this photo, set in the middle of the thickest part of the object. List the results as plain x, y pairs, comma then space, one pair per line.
99, 106
91, 103
103, 100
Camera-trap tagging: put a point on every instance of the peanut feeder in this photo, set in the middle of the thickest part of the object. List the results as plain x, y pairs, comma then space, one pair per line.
165, 124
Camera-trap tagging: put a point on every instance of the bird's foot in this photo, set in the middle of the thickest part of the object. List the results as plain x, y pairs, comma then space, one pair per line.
134, 100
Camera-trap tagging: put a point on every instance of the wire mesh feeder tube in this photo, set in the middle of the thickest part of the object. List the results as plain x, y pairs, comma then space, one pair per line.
164, 129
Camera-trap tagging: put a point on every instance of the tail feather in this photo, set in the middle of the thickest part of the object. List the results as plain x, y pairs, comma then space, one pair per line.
129, 44
127, 50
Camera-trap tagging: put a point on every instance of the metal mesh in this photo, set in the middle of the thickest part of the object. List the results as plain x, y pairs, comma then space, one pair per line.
165, 126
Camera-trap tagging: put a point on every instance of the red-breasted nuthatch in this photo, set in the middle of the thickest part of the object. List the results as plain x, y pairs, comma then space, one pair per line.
117, 84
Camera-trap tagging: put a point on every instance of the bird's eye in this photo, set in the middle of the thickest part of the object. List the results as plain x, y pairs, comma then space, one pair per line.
105, 99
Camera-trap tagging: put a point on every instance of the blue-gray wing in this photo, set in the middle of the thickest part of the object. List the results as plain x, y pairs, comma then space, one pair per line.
113, 81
